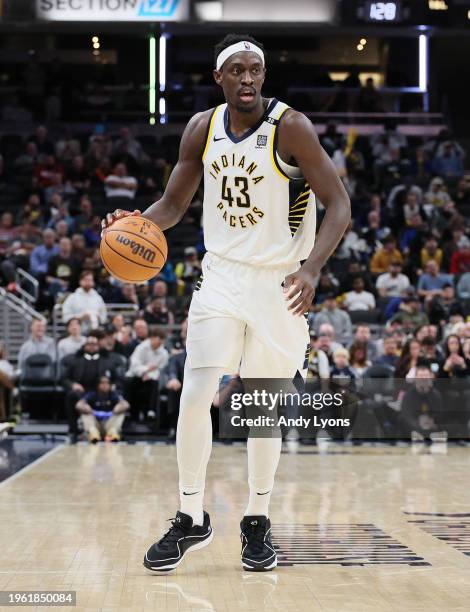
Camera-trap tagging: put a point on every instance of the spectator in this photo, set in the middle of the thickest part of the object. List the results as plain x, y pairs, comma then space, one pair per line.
454, 365
358, 359
85, 217
358, 299
7, 382
77, 177
318, 366
410, 314
38, 343
338, 319
326, 341
82, 371
389, 356
125, 343
25, 162
463, 286
382, 259
448, 161
437, 195
406, 366
103, 412
442, 306
363, 335
31, 213
460, 261
48, 173
431, 251
421, 406
120, 184
341, 373
147, 361
188, 271
431, 355
42, 141
157, 313
85, 304
432, 282
63, 269
392, 283
128, 145
74, 340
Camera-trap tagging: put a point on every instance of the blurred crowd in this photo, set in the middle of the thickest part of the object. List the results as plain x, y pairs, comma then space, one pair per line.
395, 294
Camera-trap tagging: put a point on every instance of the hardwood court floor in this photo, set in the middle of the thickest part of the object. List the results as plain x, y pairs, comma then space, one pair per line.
357, 529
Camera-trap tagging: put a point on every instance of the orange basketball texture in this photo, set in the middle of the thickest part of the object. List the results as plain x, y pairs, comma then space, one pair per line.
133, 249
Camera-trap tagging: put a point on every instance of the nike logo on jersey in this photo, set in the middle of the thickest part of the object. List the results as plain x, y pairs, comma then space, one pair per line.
217, 139
264, 493
190, 493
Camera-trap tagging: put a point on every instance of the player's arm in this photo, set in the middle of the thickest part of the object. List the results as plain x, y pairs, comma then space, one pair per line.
183, 181
298, 139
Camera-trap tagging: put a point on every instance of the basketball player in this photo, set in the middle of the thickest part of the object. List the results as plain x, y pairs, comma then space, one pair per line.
262, 163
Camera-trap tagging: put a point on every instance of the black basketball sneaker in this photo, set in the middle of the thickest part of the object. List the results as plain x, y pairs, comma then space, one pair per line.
182, 537
258, 554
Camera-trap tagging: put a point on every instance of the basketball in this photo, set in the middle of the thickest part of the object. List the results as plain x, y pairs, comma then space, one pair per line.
133, 249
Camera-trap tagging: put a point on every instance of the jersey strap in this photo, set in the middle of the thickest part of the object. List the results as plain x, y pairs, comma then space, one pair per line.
210, 129
274, 119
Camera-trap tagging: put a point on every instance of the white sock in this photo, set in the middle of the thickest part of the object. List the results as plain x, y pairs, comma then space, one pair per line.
263, 459
194, 437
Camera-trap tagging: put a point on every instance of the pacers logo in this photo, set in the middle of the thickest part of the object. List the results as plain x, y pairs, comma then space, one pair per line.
137, 248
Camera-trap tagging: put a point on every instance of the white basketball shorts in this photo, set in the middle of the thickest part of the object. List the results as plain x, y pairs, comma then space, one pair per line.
238, 320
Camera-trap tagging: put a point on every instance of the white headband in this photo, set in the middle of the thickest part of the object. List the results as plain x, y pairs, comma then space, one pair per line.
236, 48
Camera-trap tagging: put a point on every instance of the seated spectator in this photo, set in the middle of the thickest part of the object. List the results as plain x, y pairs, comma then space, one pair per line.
454, 365
85, 217
82, 371
341, 373
406, 366
463, 286
44, 144
7, 382
77, 177
85, 304
119, 184
326, 341
460, 261
432, 282
410, 314
318, 366
74, 340
92, 233
462, 194
363, 335
146, 363
188, 271
358, 299
38, 343
442, 306
8, 233
338, 319
32, 212
390, 355
48, 173
431, 251
382, 259
157, 313
125, 343
393, 283
175, 376
448, 161
102, 412
421, 405
41, 255
25, 162
127, 294
437, 195
128, 145
358, 358
62, 269
432, 354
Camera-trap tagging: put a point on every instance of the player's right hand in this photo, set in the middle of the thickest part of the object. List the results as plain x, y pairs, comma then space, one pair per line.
117, 214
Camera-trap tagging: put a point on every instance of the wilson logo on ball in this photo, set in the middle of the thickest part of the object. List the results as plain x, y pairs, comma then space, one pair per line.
136, 248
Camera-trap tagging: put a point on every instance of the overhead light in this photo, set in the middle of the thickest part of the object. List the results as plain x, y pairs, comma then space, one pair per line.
96, 45
363, 41
95, 39
360, 47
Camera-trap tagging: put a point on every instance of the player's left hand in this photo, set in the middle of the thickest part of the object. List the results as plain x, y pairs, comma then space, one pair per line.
301, 286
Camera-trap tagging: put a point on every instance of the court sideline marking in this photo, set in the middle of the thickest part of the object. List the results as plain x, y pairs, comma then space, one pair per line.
31, 465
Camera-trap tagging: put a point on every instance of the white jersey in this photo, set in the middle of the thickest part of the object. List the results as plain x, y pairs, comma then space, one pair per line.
257, 209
